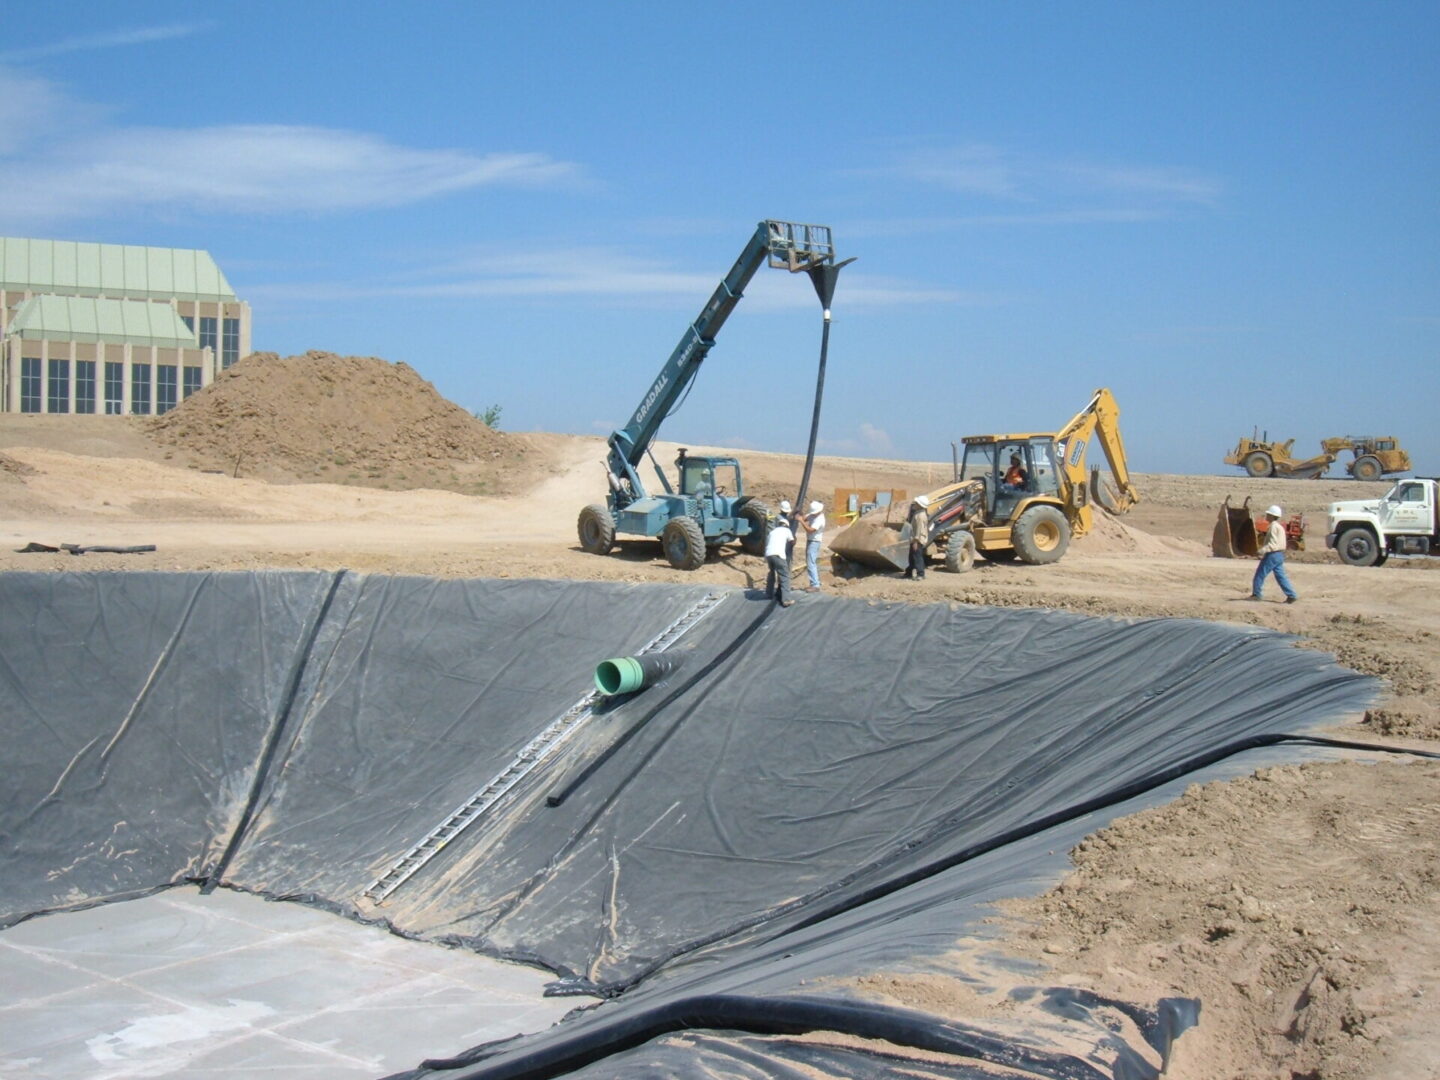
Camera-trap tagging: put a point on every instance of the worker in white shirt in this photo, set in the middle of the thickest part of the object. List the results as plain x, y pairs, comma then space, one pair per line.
1272, 558
777, 557
814, 525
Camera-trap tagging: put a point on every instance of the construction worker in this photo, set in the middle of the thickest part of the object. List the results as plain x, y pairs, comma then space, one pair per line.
814, 525
1015, 477
919, 522
777, 556
1272, 558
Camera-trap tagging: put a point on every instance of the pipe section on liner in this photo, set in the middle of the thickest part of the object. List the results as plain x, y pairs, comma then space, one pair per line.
626, 674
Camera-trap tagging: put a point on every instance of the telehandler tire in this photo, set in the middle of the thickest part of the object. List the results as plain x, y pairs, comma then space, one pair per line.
1366, 468
683, 544
1259, 464
1040, 535
959, 552
758, 515
597, 529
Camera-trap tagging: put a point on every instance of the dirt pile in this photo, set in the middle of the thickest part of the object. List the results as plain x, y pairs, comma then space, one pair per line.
357, 419
1109, 535
1326, 970
10, 469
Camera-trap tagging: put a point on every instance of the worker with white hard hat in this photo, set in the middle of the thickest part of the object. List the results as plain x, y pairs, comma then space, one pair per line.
919, 522
1272, 558
814, 525
777, 557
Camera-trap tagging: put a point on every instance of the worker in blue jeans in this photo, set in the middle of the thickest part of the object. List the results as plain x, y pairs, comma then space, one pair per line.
814, 525
1272, 558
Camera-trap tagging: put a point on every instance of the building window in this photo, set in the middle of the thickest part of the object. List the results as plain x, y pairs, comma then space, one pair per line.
59, 386
189, 321
231, 350
114, 388
140, 389
29, 384
164, 388
209, 334
84, 386
192, 377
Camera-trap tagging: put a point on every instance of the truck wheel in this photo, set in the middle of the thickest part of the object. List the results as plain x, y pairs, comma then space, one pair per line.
597, 529
1040, 535
1358, 546
960, 552
1366, 468
683, 544
1259, 464
758, 515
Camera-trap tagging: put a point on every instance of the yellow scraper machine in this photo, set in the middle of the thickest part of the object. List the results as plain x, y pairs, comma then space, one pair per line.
1020, 496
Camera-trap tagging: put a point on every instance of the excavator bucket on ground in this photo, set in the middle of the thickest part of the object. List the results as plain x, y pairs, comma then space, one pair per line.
875, 541
1235, 536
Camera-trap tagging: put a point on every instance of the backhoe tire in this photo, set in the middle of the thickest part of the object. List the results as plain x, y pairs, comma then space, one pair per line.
597, 529
1366, 468
758, 515
1259, 464
1040, 535
683, 544
959, 552
1358, 546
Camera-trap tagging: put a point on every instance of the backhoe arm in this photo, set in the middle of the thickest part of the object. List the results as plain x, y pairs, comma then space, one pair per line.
1099, 419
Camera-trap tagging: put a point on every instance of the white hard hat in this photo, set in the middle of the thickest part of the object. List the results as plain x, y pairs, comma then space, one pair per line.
1274, 512
816, 507
923, 500
785, 506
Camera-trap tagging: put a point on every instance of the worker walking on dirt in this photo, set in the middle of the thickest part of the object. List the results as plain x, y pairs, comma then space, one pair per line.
777, 557
919, 522
1272, 558
814, 525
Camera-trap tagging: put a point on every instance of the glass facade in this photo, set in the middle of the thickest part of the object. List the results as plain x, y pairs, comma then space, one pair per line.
140, 389
114, 388
192, 377
59, 389
84, 386
230, 344
209, 334
30, 384
166, 388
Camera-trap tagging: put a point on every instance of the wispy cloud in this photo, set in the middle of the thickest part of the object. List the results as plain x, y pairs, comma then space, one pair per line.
868, 439
610, 273
111, 39
59, 161
1008, 187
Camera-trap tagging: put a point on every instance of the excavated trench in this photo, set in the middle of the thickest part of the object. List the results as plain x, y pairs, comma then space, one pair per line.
815, 795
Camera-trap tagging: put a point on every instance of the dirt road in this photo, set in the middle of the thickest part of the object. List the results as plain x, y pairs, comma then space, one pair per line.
1301, 904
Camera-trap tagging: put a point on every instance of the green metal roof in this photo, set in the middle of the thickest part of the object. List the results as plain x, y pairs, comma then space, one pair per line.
72, 268
88, 318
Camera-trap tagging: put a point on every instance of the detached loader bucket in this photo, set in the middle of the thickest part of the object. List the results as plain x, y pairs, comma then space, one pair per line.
879, 544
1235, 536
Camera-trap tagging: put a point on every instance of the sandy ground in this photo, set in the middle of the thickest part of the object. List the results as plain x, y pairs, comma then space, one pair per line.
1300, 904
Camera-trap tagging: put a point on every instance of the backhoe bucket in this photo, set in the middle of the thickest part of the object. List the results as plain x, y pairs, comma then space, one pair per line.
879, 544
1235, 536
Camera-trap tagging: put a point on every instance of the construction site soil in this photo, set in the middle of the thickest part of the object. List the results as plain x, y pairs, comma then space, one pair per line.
1299, 904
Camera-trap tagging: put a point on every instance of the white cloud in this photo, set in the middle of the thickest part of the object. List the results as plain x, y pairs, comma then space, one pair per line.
868, 440
108, 40
1127, 191
57, 162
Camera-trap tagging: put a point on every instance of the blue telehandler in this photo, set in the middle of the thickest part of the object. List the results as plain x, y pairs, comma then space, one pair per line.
709, 506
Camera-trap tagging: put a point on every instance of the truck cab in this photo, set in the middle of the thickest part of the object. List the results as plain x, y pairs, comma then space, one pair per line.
1403, 523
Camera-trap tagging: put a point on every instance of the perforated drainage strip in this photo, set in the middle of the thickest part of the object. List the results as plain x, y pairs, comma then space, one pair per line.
233, 987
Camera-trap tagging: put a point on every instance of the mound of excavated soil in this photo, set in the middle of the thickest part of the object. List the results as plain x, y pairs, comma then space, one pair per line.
348, 418
9, 467
1109, 535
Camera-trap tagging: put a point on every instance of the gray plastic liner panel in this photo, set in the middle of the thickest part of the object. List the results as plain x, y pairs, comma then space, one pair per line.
814, 793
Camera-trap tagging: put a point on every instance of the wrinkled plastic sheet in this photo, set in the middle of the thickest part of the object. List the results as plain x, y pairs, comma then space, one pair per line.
805, 771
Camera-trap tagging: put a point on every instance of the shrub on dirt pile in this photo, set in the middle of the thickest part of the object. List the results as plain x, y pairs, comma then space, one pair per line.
303, 415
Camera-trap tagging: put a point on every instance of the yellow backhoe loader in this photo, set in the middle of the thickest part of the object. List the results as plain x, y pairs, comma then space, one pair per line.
1021, 496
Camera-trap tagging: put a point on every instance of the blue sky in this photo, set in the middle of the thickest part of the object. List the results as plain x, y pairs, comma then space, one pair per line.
1226, 212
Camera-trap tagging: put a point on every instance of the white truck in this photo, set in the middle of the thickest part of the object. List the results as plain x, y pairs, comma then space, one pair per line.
1405, 523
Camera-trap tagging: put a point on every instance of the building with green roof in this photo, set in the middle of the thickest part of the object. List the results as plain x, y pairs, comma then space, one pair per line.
112, 328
